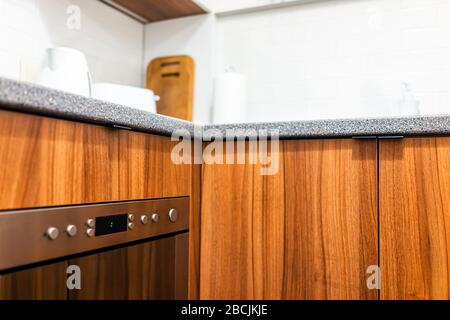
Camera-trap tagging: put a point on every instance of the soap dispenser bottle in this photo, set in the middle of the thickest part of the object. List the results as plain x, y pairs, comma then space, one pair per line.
409, 105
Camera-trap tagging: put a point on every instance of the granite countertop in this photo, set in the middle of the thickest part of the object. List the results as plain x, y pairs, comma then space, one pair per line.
30, 98
370, 127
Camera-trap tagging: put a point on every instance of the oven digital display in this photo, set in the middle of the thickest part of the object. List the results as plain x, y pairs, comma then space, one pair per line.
111, 224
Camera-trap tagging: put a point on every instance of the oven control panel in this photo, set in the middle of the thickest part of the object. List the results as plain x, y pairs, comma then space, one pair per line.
31, 236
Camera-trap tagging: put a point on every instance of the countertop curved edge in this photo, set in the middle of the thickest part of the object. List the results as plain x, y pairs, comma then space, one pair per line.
338, 128
30, 98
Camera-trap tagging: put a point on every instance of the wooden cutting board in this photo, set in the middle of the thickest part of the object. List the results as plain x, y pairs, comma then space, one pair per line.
172, 78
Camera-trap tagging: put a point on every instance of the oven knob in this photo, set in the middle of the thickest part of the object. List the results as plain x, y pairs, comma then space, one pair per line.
155, 217
144, 219
90, 223
90, 232
173, 215
131, 217
71, 230
52, 233
131, 225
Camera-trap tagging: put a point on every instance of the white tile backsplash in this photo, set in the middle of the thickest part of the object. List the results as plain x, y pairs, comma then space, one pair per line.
9, 65
340, 58
111, 41
312, 61
193, 36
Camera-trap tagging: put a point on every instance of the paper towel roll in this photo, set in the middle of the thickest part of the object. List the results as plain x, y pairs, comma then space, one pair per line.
230, 98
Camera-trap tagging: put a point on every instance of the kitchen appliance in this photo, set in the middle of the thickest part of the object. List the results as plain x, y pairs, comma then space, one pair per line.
31, 236
137, 98
172, 78
66, 69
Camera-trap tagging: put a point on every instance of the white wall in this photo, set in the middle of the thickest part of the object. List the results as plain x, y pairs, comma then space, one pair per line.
112, 41
192, 36
341, 58
223, 7
207, 5
337, 59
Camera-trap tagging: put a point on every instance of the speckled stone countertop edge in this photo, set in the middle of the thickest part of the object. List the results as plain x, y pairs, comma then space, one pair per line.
335, 128
35, 99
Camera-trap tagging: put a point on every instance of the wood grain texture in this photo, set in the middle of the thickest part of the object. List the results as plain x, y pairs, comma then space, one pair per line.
331, 218
157, 10
195, 233
177, 179
414, 218
50, 162
172, 78
308, 232
182, 270
40, 283
226, 267
140, 272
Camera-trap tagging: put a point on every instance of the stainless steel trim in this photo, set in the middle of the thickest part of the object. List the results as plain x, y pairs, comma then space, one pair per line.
71, 230
155, 217
90, 232
52, 233
364, 137
90, 223
144, 219
173, 215
41, 225
390, 137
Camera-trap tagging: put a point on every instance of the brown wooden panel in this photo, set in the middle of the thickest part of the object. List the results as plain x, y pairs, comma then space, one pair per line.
177, 179
414, 215
226, 267
41, 283
140, 165
50, 162
172, 78
308, 232
146, 271
105, 276
194, 233
268, 232
331, 218
182, 267
156, 10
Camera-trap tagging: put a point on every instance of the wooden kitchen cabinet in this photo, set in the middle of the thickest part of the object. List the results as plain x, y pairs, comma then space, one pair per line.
153, 270
308, 232
331, 221
334, 208
415, 218
157, 10
52, 162
48, 162
39, 283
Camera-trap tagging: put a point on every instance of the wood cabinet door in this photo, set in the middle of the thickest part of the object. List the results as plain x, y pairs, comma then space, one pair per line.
40, 283
150, 271
415, 218
52, 162
308, 232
